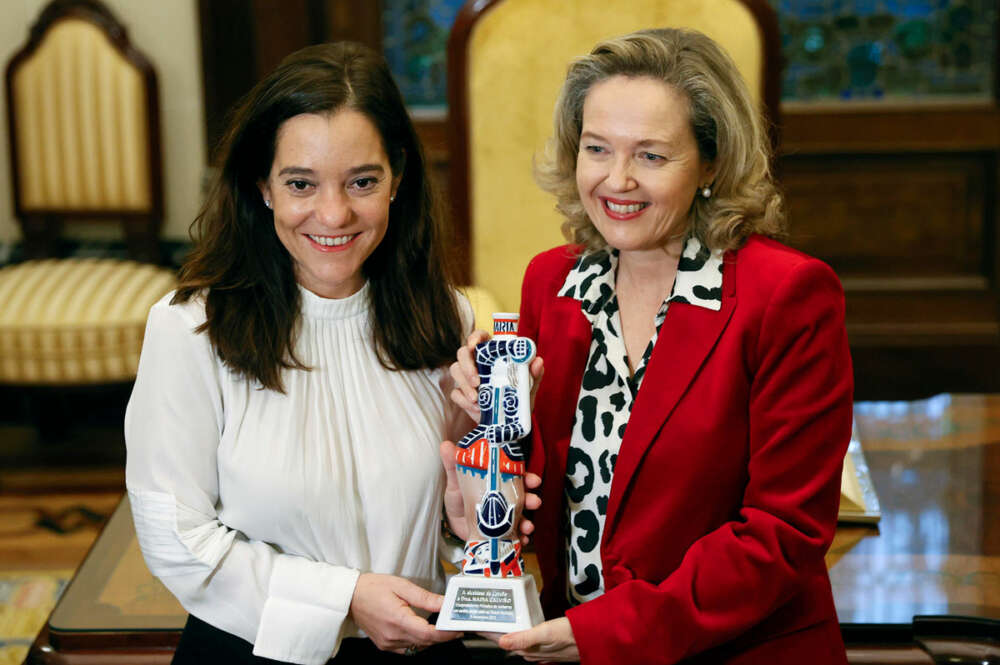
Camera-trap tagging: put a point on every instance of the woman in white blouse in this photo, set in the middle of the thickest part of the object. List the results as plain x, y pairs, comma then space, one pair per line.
283, 432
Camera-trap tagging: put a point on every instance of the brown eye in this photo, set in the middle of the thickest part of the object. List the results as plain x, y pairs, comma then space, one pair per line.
299, 185
364, 184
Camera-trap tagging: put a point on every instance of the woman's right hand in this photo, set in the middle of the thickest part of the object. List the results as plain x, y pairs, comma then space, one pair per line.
382, 606
466, 376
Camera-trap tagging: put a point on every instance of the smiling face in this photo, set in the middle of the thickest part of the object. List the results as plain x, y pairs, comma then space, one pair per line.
638, 168
329, 187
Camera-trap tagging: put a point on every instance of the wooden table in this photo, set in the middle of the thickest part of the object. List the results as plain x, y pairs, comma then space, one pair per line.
114, 610
922, 587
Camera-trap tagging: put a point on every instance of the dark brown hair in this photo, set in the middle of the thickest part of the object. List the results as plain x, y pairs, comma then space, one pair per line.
246, 275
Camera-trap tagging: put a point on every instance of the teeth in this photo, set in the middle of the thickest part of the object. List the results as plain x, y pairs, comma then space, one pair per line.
625, 209
331, 241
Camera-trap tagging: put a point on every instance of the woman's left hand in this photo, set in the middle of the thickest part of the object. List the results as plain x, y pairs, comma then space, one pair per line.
551, 641
454, 503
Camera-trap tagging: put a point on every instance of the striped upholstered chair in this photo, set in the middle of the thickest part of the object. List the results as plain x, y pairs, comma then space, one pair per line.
85, 145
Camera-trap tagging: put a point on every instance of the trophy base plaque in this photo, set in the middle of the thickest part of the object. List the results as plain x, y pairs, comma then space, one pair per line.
490, 604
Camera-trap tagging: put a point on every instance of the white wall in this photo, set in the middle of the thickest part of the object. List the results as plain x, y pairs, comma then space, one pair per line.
166, 31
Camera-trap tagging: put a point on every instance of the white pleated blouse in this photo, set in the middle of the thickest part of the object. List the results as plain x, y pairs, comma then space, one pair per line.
259, 510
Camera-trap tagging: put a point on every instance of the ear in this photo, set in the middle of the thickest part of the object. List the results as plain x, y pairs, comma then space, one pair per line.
265, 189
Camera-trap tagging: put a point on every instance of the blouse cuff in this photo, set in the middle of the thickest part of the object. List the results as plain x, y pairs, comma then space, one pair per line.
450, 550
304, 614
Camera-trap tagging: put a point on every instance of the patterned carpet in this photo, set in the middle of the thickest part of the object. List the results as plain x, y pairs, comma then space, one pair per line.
43, 537
26, 599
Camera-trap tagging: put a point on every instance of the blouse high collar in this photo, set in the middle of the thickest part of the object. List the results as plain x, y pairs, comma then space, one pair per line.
318, 307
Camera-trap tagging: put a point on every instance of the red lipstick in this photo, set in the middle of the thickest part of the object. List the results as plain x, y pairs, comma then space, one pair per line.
613, 214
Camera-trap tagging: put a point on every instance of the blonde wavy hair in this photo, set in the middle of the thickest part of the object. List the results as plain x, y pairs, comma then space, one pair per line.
728, 128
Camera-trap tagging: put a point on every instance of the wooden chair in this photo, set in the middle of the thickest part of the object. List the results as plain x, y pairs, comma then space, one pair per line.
506, 62
83, 111
82, 107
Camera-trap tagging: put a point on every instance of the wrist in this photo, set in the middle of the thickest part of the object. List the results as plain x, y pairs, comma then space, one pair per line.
449, 535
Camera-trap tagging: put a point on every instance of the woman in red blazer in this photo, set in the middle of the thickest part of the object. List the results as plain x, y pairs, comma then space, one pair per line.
696, 404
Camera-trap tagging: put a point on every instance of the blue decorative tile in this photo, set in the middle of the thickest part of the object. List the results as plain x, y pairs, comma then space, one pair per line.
415, 43
894, 50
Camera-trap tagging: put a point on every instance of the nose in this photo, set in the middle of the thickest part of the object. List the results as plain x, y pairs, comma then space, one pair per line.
333, 208
620, 175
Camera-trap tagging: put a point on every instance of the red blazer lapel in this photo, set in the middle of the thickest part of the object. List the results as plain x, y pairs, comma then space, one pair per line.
567, 335
564, 338
687, 337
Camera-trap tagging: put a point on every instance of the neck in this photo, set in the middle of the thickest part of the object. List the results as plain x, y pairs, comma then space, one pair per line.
650, 270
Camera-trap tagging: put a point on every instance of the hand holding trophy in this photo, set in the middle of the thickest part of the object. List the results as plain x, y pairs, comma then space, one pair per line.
492, 593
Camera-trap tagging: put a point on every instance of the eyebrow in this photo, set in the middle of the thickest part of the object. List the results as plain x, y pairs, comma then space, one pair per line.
295, 170
592, 135
366, 168
642, 144
301, 170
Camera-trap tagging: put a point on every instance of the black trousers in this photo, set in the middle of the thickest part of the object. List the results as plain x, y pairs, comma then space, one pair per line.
204, 644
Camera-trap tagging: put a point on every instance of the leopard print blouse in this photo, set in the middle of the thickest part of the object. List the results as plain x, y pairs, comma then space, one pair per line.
606, 397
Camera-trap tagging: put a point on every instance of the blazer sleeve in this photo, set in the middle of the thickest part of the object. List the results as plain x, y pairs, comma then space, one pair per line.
291, 608
799, 427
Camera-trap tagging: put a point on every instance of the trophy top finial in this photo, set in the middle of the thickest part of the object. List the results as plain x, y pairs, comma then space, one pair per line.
505, 323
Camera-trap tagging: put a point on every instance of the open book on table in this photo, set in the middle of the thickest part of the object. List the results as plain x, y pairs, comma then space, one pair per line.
858, 501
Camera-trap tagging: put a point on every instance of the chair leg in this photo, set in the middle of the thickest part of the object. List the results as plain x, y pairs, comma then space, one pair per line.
46, 411
141, 239
40, 233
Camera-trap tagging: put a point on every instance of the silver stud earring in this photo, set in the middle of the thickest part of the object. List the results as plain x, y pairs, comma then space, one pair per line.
267, 203
706, 191
392, 198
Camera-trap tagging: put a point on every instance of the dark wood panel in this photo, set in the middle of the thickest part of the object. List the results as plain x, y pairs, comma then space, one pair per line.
841, 129
433, 135
922, 319
354, 20
893, 372
913, 238
284, 27
228, 61
882, 215
243, 40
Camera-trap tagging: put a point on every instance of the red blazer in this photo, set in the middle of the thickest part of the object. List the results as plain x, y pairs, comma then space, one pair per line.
726, 489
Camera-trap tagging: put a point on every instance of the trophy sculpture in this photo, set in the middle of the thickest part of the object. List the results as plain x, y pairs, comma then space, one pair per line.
492, 593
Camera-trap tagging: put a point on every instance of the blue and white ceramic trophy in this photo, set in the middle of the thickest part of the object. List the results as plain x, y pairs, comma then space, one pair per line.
493, 593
